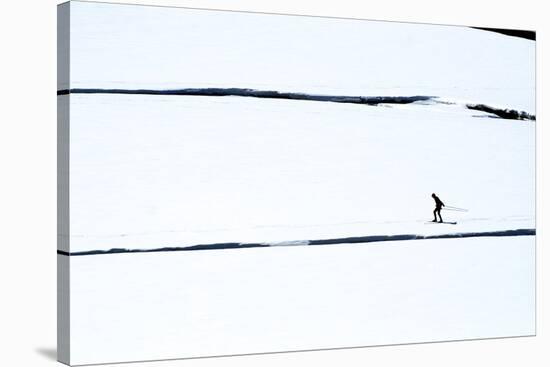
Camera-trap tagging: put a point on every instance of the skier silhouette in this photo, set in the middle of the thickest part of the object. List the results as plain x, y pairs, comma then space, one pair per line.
437, 211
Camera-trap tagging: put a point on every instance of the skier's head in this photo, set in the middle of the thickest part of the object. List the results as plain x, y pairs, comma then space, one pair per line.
433, 195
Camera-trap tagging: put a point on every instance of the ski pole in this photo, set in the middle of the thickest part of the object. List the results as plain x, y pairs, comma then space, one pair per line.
455, 208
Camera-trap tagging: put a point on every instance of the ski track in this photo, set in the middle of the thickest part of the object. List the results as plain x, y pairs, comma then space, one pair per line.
286, 226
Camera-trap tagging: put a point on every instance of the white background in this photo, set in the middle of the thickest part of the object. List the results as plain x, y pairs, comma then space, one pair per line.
28, 184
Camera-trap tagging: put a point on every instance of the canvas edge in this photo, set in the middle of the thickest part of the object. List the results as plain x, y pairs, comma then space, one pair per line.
63, 147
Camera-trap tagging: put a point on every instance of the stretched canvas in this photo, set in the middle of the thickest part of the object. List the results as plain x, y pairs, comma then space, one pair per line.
234, 183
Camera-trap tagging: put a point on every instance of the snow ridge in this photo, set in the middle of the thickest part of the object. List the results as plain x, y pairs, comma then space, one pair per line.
255, 93
334, 241
502, 112
247, 92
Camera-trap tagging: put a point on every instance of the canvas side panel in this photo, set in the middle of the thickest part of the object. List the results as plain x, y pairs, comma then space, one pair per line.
63, 117
63, 46
63, 142
63, 309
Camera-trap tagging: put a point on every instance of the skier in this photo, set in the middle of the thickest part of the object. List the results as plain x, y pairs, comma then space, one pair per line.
437, 211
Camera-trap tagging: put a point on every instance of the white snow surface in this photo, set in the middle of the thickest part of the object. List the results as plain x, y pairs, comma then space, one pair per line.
121, 46
156, 171
132, 307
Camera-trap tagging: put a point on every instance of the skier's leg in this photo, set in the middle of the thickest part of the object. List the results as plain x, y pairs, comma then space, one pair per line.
435, 215
439, 213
